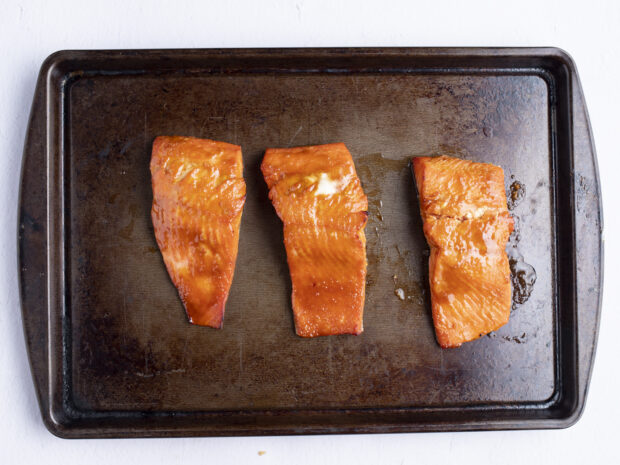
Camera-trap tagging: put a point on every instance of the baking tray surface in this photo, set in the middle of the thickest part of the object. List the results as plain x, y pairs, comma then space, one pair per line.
111, 351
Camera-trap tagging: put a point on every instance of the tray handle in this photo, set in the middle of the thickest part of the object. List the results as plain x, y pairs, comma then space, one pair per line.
589, 239
32, 245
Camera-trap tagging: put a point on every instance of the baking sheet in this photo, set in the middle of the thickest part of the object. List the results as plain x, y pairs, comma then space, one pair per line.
124, 360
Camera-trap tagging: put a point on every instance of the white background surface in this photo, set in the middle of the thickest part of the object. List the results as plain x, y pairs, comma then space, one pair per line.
30, 31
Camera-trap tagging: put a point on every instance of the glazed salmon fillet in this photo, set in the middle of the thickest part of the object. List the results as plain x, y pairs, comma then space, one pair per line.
467, 225
198, 196
317, 194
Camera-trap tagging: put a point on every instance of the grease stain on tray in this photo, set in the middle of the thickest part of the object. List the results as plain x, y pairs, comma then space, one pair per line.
127, 231
522, 274
379, 175
517, 194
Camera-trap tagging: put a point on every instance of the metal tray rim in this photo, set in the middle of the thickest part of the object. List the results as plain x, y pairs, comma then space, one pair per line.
53, 68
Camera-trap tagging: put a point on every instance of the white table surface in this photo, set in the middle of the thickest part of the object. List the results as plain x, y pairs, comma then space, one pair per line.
30, 31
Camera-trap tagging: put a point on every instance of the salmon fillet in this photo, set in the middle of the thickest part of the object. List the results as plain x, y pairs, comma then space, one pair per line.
467, 225
198, 196
317, 194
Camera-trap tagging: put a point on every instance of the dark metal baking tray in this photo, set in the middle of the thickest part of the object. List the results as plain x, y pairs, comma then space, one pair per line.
110, 348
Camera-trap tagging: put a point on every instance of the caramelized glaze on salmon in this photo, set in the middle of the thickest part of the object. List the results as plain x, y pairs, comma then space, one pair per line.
317, 194
467, 225
198, 196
